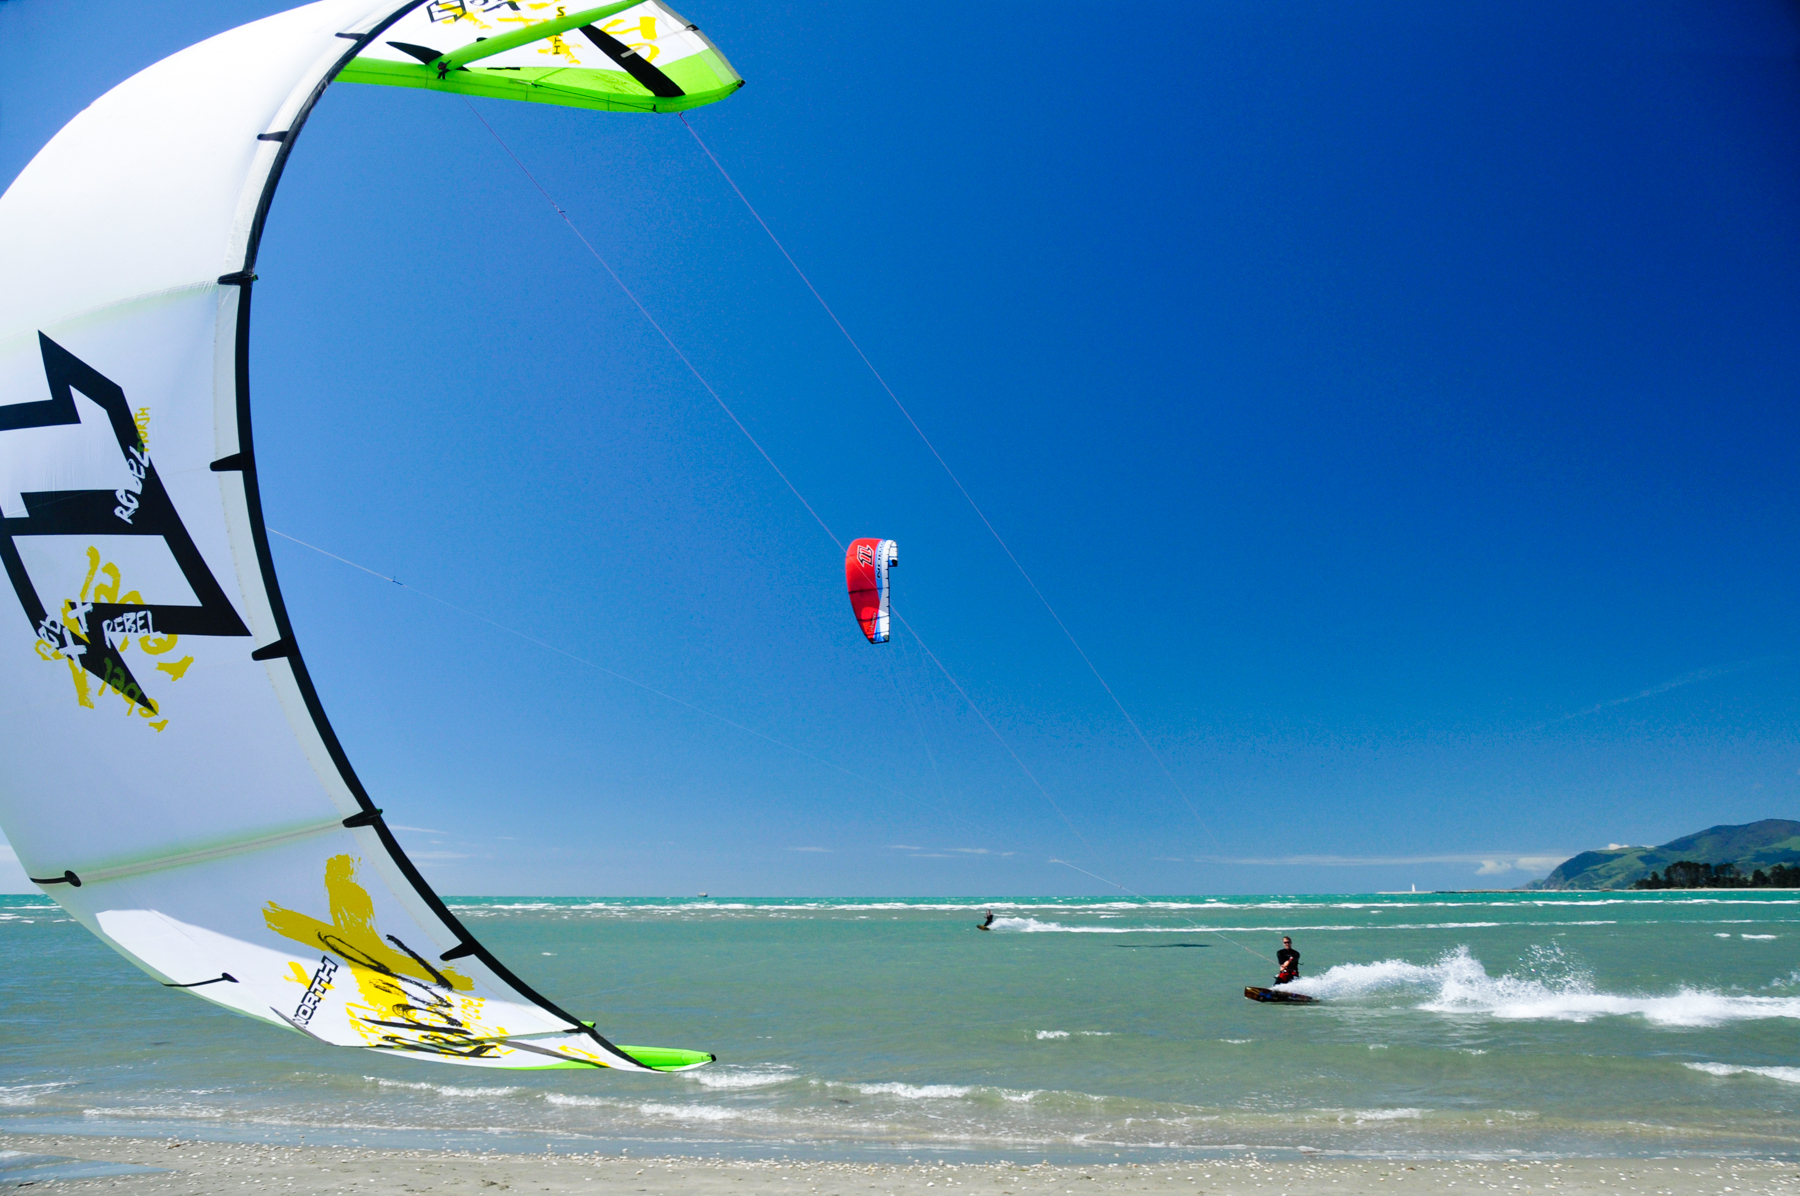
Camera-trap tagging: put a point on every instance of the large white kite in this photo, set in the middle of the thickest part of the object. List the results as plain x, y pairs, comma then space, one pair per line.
166, 771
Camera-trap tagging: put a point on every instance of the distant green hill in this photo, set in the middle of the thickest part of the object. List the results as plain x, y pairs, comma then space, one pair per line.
1751, 846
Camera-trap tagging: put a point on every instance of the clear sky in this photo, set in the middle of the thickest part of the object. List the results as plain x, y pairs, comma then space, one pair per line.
1397, 403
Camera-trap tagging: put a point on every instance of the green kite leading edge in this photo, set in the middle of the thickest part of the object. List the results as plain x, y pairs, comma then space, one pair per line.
634, 56
167, 772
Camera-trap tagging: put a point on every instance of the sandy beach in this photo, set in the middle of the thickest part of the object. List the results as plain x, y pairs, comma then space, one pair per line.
208, 1168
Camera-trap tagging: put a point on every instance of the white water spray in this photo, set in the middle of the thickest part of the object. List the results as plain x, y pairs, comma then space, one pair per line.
1548, 989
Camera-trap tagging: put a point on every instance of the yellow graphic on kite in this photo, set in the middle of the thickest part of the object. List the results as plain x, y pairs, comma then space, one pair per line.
407, 1003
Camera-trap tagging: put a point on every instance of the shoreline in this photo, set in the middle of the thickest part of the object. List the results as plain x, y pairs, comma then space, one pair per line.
204, 1168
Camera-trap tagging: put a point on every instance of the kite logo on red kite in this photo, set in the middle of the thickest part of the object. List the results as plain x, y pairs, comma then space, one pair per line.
865, 556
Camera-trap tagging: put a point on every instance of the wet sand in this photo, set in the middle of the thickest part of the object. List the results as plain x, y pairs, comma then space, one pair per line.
222, 1169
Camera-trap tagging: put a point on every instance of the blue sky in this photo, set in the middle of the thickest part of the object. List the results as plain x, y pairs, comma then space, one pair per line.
1397, 405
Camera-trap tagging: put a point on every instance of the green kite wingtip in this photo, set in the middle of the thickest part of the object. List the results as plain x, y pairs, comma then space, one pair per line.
668, 1058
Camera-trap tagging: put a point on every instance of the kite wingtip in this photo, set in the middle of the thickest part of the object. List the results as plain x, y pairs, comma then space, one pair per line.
669, 1058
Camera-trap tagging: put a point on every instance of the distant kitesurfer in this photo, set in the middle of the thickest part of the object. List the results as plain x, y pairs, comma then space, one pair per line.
1288, 960
987, 923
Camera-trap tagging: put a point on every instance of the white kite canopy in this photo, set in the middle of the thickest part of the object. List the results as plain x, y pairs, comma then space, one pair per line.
166, 770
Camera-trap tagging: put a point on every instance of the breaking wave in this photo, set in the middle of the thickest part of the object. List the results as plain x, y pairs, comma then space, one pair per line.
1788, 1075
1028, 925
916, 1091
25, 1094
732, 1077
1550, 991
453, 1090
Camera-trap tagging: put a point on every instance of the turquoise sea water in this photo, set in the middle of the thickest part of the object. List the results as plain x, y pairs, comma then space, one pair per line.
1451, 1025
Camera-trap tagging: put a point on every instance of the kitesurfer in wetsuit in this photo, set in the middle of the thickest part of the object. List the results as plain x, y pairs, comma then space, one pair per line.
1288, 960
988, 922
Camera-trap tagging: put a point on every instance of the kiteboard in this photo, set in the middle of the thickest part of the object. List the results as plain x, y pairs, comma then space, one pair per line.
1278, 996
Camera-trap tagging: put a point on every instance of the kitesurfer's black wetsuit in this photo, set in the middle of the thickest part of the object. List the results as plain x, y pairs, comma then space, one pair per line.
1288, 960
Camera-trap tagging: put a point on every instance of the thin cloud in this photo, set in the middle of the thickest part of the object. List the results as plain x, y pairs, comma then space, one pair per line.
1491, 863
823, 850
1523, 863
424, 830
1698, 675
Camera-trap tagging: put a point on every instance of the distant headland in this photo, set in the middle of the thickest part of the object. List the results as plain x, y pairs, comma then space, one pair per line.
1717, 857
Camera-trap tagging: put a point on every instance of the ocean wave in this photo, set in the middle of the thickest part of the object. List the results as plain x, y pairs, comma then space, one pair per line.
1359, 1116
691, 1112
916, 1091
26, 1094
984, 1116
1458, 983
180, 1111
1788, 1075
1103, 908
731, 1077
1042, 1034
1037, 926
653, 907
458, 1090
1030, 925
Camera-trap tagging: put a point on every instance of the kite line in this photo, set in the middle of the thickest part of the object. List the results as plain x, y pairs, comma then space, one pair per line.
943, 805
956, 481
708, 386
636, 302
582, 660
795, 490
